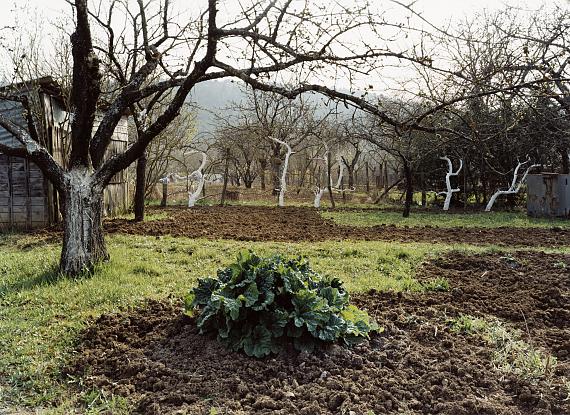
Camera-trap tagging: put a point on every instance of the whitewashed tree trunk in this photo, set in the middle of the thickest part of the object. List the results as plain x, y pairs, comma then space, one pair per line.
449, 193
319, 192
283, 183
82, 209
514, 188
198, 177
340, 174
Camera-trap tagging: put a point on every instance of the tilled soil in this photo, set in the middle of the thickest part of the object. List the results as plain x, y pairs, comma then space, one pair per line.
255, 223
156, 358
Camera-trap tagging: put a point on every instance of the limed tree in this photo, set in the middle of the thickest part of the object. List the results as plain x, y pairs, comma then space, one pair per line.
168, 54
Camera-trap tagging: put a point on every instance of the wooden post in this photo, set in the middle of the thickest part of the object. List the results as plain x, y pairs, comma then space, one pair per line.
385, 179
424, 194
164, 194
367, 179
226, 169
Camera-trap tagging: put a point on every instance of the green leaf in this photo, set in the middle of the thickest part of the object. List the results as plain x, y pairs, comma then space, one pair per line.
332, 330
334, 297
251, 294
208, 314
259, 343
202, 293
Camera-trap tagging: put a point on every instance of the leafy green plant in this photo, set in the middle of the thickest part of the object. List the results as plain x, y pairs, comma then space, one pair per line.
436, 284
467, 324
259, 305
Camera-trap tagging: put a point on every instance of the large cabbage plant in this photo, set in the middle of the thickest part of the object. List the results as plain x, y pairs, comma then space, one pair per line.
259, 305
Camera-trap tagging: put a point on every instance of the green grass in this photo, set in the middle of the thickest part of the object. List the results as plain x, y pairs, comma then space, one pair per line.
148, 217
41, 312
511, 354
469, 220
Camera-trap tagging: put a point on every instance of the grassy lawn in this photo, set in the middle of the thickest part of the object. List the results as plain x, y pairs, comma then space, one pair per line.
471, 220
41, 313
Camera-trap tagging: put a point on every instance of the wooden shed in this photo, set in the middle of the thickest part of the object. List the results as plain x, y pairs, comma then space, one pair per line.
27, 198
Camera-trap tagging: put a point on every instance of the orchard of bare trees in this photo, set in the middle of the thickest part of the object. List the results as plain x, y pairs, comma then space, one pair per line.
496, 102
488, 94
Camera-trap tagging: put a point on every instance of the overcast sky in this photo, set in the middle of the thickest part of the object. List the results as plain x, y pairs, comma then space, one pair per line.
438, 12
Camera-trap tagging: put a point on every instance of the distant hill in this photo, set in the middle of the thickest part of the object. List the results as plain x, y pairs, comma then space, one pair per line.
212, 97
216, 96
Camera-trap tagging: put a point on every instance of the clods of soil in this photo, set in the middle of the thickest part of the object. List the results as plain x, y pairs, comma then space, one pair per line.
258, 223
155, 357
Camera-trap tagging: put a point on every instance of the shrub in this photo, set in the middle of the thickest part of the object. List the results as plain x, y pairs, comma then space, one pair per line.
259, 305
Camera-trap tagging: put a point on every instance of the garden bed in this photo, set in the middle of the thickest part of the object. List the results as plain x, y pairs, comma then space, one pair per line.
420, 364
255, 223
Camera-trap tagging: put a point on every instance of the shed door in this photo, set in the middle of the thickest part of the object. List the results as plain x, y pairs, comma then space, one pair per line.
23, 201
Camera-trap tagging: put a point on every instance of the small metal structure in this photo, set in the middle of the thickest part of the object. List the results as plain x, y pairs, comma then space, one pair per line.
548, 195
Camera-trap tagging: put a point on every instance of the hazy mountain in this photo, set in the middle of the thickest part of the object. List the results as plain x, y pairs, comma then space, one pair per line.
213, 97
217, 96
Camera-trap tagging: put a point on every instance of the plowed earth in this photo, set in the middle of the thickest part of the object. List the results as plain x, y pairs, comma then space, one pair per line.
254, 223
156, 358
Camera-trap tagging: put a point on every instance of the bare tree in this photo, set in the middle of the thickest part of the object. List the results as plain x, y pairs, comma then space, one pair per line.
514, 187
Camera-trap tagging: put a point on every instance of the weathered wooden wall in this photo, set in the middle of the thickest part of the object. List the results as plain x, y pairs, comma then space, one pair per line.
23, 188
116, 196
23, 194
27, 198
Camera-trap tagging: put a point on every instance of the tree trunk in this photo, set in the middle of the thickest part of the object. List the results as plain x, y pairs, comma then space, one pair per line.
329, 180
385, 193
164, 194
262, 169
350, 176
225, 187
276, 169
262, 179
367, 179
140, 188
409, 190
248, 179
302, 178
83, 242
424, 193
385, 177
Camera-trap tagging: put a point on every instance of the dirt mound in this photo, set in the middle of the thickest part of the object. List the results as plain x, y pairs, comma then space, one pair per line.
256, 223
417, 365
